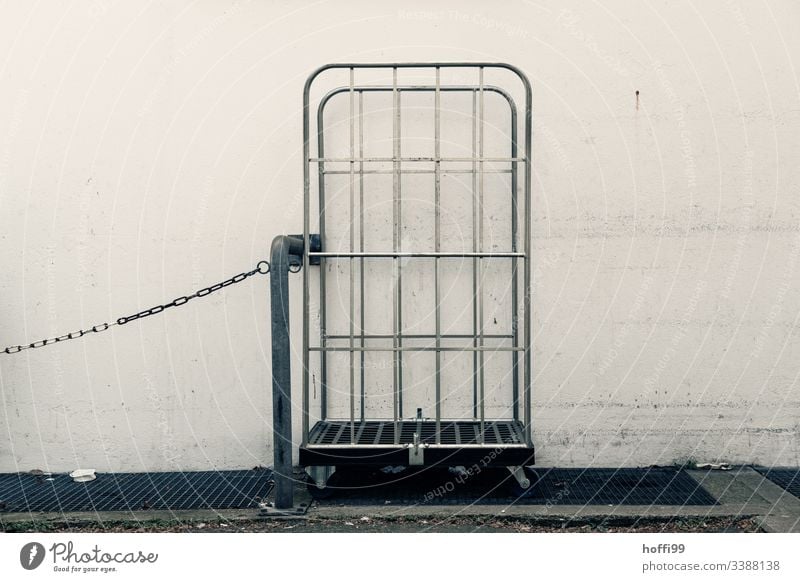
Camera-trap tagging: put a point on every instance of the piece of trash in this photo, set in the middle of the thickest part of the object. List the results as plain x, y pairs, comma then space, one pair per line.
387, 502
83, 475
349, 523
365, 518
459, 471
41, 475
714, 466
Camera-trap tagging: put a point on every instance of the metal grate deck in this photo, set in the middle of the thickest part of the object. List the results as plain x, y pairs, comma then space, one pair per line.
23, 492
647, 486
453, 433
786, 478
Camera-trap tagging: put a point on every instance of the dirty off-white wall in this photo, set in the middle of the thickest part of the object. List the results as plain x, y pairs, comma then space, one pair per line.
149, 149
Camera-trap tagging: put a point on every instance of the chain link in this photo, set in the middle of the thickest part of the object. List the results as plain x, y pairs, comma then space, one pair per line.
262, 268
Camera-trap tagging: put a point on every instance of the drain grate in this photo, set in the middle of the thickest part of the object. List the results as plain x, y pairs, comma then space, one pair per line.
649, 486
786, 478
135, 491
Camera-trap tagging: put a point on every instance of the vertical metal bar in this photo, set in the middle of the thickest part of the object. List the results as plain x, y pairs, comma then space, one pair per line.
527, 275
438, 237
350, 260
514, 267
282, 247
323, 309
474, 260
399, 144
306, 247
395, 260
481, 354
361, 240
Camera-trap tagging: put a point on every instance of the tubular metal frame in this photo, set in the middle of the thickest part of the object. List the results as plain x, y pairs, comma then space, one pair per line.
346, 443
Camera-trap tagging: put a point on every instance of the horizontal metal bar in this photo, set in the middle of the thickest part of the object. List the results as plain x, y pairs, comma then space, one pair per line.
443, 171
426, 446
418, 65
389, 336
415, 159
416, 88
514, 425
415, 349
413, 254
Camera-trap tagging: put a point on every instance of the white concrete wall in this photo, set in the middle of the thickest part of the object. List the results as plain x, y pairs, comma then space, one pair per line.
149, 149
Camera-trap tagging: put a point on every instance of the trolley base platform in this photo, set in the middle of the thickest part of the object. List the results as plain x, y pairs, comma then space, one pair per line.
373, 442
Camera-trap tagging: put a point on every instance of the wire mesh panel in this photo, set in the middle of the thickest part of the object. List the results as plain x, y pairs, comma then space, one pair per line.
417, 177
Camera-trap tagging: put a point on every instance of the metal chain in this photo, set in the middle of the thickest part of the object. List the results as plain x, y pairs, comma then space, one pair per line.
262, 267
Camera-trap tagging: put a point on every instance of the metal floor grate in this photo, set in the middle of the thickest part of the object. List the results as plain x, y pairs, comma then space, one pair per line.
786, 478
455, 433
23, 492
647, 486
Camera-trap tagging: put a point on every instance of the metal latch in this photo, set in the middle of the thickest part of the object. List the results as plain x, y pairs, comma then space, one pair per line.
416, 450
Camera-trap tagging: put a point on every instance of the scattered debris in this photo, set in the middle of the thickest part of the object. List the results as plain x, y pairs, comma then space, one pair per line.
83, 475
460, 524
714, 466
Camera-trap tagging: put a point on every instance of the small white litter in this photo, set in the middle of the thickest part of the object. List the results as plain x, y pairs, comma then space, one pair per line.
714, 466
83, 475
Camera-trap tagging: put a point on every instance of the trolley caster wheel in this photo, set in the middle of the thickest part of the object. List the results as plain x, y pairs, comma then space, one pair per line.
321, 493
529, 478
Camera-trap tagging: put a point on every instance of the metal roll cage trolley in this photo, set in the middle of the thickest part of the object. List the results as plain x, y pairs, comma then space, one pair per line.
496, 428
